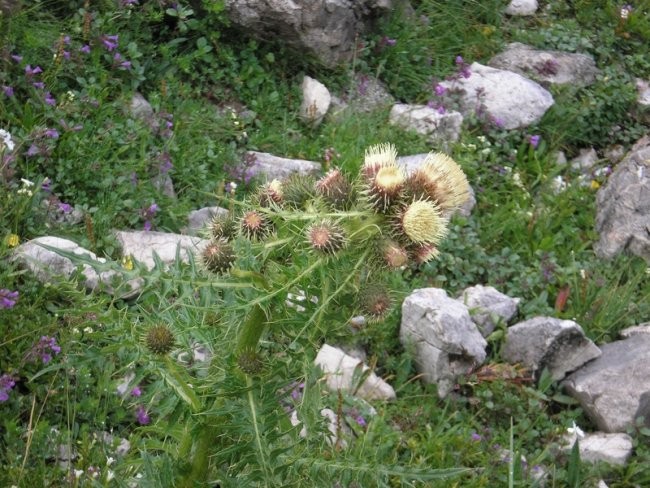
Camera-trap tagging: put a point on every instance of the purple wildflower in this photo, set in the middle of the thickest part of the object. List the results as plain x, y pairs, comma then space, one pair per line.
497, 121
8, 298
125, 64
165, 163
534, 140
33, 150
52, 133
440, 90
387, 41
142, 415
66, 208
148, 214
49, 99
147, 225
8, 91
46, 185
475, 437
442, 110
465, 72
66, 40
361, 421
459, 60
66, 54
110, 42
39, 85
43, 349
29, 71
85, 49
6, 383
136, 392
17, 57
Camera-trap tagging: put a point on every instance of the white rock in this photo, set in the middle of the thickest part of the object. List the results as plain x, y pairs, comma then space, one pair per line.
142, 245
427, 121
198, 219
488, 306
522, 7
585, 160
602, 447
513, 100
343, 372
269, 167
316, 101
635, 330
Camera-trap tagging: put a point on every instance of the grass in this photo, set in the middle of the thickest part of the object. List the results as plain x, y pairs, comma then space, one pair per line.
208, 420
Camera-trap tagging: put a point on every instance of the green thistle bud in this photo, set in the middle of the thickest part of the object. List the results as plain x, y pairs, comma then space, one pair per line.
250, 362
441, 180
422, 223
222, 226
325, 237
254, 225
160, 339
374, 301
218, 256
335, 188
298, 189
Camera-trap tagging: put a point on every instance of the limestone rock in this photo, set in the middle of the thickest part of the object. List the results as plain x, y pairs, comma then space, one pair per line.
488, 306
316, 101
521, 7
326, 30
198, 219
141, 108
447, 343
635, 330
602, 447
623, 206
555, 67
427, 121
547, 342
143, 245
494, 88
615, 388
269, 167
343, 372
585, 160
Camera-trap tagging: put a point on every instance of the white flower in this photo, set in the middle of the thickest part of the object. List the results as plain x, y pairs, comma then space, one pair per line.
110, 475
109, 461
88, 330
27, 183
78, 473
575, 430
625, 12
558, 184
6, 141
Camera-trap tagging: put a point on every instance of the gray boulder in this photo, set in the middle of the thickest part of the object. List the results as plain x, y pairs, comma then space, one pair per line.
635, 330
602, 447
614, 390
494, 89
140, 108
555, 67
48, 264
585, 160
269, 167
369, 94
487, 306
144, 245
326, 29
546, 342
446, 342
623, 206
427, 121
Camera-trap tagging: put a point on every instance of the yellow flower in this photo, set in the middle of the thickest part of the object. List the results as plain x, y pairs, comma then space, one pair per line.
594, 185
12, 240
127, 263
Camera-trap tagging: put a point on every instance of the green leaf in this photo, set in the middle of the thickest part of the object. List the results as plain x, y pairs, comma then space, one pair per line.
172, 375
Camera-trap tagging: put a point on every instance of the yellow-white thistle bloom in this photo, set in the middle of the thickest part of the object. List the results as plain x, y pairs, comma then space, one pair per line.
441, 180
423, 223
384, 178
380, 155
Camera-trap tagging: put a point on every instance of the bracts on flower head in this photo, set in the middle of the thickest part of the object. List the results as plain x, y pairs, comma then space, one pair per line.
374, 301
440, 180
326, 237
254, 225
336, 189
270, 194
421, 222
218, 256
160, 339
384, 179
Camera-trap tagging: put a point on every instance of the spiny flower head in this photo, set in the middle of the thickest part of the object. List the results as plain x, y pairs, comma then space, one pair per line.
423, 253
325, 237
270, 194
422, 222
218, 256
384, 178
441, 180
254, 225
298, 189
336, 189
374, 301
394, 255
249, 362
377, 157
222, 226
160, 339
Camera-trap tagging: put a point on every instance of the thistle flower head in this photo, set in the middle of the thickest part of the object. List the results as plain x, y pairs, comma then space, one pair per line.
384, 178
325, 237
441, 180
249, 362
298, 189
377, 157
218, 256
160, 339
423, 253
375, 301
222, 226
422, 222
254, 225
270, 194
394, 255
336, 189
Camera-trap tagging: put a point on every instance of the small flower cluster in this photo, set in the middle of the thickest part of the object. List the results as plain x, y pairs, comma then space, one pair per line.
7, 382
44, 349
148, 214
8, 298
445, 97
